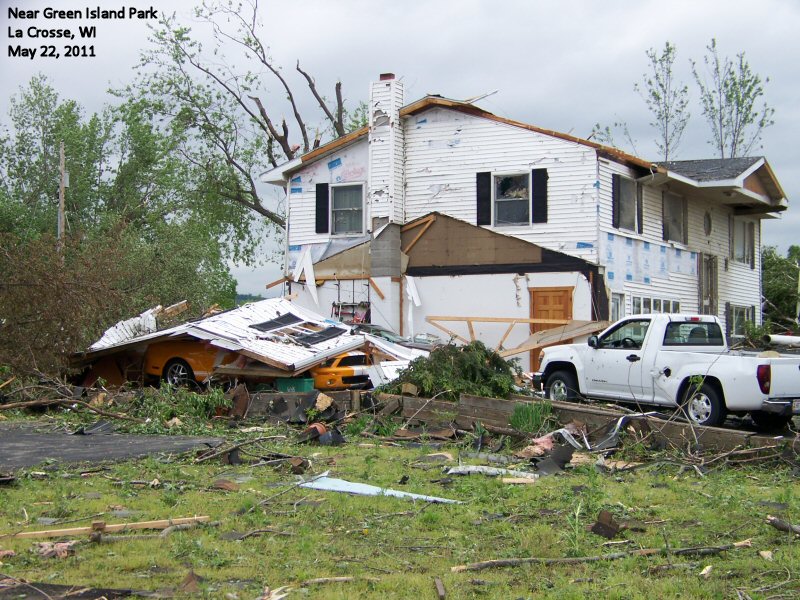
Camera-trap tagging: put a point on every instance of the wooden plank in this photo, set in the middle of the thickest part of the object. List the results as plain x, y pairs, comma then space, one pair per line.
376, 288
449, 332
505, 335
113, 528
440, 591
272, 284
425, 228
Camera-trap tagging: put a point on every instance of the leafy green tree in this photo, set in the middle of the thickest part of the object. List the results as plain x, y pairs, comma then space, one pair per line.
779, 286
666, 98
732, 103
143, 226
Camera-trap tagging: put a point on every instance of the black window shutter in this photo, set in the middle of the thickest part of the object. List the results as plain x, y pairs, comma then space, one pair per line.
615, 201
484, 198
685, 232
639, 209
323, 205
728, 316
539, 179
752, 242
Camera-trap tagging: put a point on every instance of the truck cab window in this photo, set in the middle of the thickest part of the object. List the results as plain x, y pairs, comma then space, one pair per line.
627, 335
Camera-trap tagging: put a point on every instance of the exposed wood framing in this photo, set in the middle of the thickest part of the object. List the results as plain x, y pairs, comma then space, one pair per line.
272, 284
376, 288
424, 223
470, 321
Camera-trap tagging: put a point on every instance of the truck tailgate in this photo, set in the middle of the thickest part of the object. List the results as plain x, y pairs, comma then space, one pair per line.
785, 378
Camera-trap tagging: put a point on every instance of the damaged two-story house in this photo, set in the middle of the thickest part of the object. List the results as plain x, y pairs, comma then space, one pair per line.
440, 208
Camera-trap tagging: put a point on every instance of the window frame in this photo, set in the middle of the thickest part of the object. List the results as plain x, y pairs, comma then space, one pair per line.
650, 302
528, 200
617, 344
635, 202
681, 202
332, 209
749, 317
748, 235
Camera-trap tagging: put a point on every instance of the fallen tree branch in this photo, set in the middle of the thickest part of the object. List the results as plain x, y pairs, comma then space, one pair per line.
71, 402
228, 449
514, 562
783, 525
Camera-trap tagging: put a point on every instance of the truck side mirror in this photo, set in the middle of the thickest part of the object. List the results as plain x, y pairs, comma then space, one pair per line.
593, 342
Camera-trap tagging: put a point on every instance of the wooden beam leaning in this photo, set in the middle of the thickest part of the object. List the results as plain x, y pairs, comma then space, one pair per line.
375, 287
425, 223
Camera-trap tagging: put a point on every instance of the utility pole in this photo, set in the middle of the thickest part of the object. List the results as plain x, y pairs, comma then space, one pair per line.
61, 215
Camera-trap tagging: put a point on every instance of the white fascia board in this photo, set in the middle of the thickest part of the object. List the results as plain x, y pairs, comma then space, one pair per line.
277, 176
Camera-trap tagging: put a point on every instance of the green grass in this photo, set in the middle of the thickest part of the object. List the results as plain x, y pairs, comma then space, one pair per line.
405, 545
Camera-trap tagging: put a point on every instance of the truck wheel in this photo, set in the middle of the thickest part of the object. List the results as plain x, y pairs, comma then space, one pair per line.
703, 405
561, 385
765, 421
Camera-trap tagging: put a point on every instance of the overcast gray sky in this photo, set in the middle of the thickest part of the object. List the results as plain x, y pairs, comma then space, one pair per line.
562, 65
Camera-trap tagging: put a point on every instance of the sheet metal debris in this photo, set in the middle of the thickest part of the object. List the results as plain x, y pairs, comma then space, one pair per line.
332, 484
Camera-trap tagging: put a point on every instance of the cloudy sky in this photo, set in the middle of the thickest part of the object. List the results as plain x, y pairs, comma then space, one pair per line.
562, 65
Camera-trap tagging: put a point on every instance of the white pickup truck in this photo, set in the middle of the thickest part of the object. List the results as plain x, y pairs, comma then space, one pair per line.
674, 360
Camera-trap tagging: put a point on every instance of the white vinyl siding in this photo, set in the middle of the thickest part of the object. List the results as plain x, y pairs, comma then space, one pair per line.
445, 149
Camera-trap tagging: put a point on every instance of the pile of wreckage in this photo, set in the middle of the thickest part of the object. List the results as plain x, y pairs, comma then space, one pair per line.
271, 341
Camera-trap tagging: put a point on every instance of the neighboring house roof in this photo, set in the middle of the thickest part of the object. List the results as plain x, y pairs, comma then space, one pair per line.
745, 181
282, 171
712, 169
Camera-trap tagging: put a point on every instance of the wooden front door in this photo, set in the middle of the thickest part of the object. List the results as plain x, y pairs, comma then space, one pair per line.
549, 303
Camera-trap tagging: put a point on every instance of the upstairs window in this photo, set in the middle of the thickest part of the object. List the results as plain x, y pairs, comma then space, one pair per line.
347, 209
626, 199
512, 200
743, 242
675, 215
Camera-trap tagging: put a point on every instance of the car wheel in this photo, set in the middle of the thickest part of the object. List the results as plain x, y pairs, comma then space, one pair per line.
178, 373
703, 405
561, 386
765, 421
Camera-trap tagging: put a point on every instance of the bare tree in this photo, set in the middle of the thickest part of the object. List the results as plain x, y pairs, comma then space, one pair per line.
230, 130
729, 101
667, 99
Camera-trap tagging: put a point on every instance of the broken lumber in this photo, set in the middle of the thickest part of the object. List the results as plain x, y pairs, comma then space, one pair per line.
100, 526
515, 562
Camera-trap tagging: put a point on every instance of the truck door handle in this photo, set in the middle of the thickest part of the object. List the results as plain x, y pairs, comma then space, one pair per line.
632, 358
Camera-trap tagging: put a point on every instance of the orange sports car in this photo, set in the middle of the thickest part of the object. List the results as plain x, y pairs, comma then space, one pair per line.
342, 372
184, 362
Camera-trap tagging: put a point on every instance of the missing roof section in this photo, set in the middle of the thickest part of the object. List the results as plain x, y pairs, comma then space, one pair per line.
278, 322
320, 336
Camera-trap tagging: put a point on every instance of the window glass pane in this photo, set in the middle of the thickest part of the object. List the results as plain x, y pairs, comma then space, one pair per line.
627, 204
673, 217
347, 209
617, 306
739, 314
693, 334
637, 305
627, 335
676, 306
741, 241
657, 305
512, 200
646, 305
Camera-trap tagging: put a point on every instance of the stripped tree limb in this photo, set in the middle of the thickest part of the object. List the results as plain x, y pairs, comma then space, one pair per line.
515, 562
783, 525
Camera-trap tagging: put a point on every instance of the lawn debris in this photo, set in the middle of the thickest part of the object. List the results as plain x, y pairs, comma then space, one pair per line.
191, 583
781, 525
225, 484
56, 549
100, 526
331, 484
706, 572
6, 554
515, 562
277, 594
517, 480
440, 591
605, 525
298, 465
765, 554
236, 536
437, 457
556, 462
24, 590
491, 471
324, 580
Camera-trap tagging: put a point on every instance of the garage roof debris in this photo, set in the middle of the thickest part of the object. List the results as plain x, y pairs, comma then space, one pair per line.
274, 331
